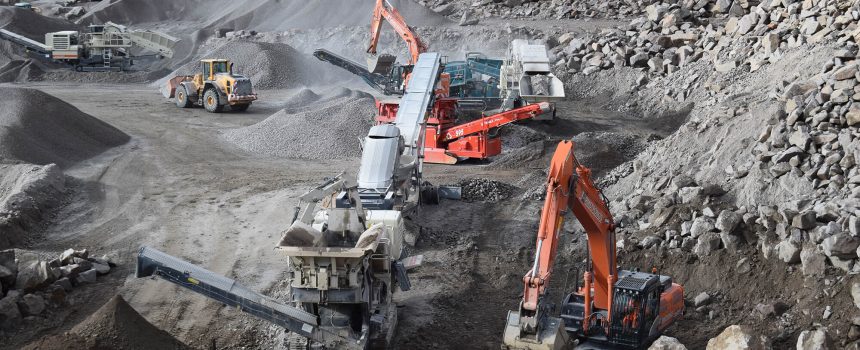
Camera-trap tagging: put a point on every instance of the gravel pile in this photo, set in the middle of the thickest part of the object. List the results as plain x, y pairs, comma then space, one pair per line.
484, 190
516, 136
39, 128
530, 155
268, 65
116, 325
330, 129
27, 193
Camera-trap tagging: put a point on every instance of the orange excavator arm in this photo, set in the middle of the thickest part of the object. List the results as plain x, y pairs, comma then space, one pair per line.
384, 10
569, 186
494, 121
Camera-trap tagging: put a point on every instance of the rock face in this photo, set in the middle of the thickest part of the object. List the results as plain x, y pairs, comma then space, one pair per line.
738, 337
667, 343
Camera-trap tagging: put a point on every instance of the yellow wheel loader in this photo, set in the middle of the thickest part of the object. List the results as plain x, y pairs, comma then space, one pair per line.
214, 89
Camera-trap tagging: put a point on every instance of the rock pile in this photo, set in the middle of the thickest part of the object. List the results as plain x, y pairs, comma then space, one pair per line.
534, 9
116, 325
483, 190
31, 284
670, 35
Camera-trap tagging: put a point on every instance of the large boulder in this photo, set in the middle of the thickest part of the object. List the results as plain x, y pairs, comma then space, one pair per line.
812, 261
788, 252
10, 316
33, 273
667, 343
31, 305
841, 245
815, 340
737, 337
727, 221
707, 244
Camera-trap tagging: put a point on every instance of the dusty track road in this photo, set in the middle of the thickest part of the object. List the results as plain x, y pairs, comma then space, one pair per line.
178, 187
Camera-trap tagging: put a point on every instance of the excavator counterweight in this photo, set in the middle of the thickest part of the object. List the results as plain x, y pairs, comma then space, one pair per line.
613, 308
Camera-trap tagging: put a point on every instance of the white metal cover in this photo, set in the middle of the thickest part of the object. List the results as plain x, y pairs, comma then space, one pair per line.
379, 157
413, 106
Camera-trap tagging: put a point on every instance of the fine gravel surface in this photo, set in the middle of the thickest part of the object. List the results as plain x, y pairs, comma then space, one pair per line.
327, 129
116, 325
39, 128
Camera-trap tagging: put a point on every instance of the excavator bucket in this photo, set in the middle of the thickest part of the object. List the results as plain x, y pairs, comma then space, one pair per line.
170, 88
380, 64
551, 336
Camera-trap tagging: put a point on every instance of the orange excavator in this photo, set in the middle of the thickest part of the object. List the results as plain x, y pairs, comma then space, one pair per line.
614, 308
382, 64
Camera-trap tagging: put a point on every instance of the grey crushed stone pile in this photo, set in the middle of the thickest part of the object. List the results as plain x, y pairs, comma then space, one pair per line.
484, 190
38, 128
327, 129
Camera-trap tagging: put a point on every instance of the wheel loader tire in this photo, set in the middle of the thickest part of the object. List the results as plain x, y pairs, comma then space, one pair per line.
240, 108
210, 101
181, 98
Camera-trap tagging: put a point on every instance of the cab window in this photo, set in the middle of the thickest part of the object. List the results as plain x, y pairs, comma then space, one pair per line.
220, 67
206, 70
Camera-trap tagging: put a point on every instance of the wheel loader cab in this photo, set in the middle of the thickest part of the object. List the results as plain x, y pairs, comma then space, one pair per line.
213, 67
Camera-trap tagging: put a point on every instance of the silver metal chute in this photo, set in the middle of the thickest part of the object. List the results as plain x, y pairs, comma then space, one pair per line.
152, 262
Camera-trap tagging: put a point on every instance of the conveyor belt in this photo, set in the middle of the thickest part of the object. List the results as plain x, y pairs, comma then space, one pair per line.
25, 41
419, 94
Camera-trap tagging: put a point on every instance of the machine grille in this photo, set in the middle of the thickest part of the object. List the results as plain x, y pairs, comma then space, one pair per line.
243, 87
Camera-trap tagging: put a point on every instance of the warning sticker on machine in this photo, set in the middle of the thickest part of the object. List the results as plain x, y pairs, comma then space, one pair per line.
307, 328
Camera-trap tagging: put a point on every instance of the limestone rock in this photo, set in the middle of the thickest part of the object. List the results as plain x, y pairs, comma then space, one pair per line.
701, 299
812, 261
815, 340
788, 252
737, 337
32, 273
10, 316
727, 221
667, 343
841, 245
85, 277
707, 244
31, 305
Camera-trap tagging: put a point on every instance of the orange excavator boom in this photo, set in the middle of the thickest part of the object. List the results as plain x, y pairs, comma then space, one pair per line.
569, 186
384, 11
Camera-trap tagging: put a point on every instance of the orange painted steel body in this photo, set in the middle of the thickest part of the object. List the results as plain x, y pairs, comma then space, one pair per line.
384, 10
569, 185
445, 141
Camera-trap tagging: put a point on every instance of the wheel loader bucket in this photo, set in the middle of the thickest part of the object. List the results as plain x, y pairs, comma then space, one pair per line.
169, 90
380, 64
